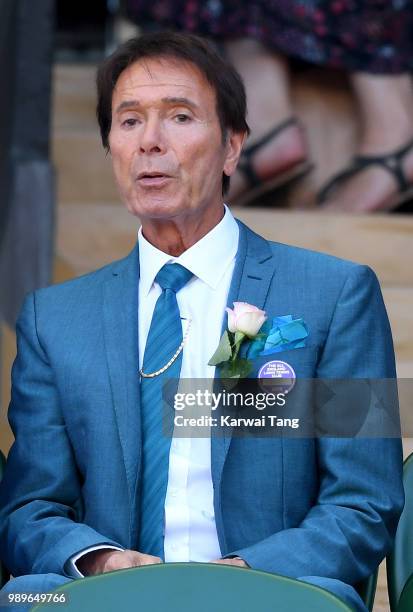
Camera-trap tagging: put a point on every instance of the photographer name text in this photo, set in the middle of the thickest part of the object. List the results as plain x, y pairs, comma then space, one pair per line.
270, 420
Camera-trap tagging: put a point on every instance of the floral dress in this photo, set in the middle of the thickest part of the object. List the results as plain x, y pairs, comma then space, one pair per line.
373, 36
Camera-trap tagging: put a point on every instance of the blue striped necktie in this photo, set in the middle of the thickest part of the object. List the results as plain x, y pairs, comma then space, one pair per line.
164, 338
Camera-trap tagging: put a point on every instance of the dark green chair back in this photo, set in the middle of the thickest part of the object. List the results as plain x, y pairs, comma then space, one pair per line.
4, 576
406, 598
400, 560
185, 587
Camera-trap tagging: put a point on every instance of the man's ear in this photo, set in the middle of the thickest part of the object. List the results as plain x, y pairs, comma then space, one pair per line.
233, 147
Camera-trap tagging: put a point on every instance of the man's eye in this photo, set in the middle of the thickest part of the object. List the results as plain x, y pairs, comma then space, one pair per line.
129, 122
182, 118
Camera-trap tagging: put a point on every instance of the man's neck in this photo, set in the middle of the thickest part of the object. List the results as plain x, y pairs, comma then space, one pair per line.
176, 236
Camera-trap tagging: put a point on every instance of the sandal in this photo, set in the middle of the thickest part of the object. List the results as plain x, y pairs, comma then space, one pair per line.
257, 187
402, 202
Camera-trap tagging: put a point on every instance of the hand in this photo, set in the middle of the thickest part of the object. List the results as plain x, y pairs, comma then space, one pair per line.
234, 561
108, 560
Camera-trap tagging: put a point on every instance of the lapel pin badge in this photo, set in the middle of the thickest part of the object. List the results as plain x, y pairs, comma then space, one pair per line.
277, 374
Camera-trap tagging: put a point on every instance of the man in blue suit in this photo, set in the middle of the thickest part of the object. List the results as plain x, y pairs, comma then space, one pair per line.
91, 485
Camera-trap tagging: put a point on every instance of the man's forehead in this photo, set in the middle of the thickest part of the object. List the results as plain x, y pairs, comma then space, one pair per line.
162, 73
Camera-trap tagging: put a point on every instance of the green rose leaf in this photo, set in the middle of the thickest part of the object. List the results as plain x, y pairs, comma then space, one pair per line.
223, 352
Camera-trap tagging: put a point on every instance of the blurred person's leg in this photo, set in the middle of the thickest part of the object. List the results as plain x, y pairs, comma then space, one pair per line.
267, 82
386, 125
375, 45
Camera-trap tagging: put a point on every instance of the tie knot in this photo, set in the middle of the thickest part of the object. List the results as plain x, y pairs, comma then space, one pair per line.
173, 276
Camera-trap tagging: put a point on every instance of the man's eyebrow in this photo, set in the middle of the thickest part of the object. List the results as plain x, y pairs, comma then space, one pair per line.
127, 104
168, 100
178, 100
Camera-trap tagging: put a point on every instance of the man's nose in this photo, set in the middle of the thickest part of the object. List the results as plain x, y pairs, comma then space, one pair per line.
152, 138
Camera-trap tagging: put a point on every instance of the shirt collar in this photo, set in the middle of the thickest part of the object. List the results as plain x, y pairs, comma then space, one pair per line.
208, 259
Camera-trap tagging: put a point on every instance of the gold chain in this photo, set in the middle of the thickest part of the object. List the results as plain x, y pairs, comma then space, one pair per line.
172, 359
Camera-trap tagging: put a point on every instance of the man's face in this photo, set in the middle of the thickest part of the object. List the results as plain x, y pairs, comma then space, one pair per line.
166, 142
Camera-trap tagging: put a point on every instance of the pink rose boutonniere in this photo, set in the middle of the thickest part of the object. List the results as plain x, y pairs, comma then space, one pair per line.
244, 323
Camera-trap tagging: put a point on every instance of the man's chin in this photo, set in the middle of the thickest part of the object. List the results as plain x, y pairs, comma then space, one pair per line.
158, 207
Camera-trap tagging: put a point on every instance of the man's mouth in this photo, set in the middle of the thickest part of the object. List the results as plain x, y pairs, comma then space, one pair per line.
153, 179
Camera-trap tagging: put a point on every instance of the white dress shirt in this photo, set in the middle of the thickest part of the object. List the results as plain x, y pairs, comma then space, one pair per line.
190, 530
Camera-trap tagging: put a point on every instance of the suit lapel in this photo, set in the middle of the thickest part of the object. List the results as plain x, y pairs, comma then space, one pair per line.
254, 269
120, 322
253, 272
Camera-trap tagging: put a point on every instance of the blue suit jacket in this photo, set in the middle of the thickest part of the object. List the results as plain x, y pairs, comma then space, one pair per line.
322, 507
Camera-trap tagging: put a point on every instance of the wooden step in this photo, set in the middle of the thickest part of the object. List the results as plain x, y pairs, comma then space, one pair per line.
380, 241
7, 354
84, 170
74, 97
399, 303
